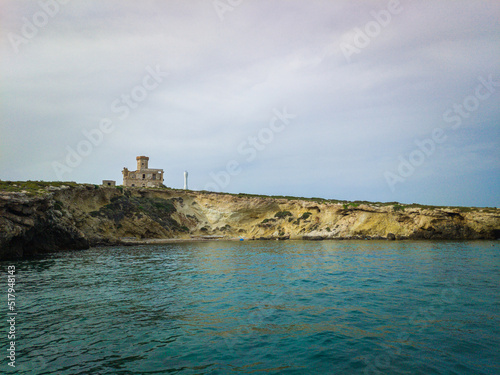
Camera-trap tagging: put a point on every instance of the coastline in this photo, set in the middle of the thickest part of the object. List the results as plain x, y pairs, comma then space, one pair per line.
161, 241
40, 217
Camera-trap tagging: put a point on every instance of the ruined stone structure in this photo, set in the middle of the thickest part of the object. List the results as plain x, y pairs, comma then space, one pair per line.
108, 183
143, 176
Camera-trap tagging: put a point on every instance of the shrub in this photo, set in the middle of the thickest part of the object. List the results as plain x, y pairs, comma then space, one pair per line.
282, 214
58, 205
306, 215
163, 204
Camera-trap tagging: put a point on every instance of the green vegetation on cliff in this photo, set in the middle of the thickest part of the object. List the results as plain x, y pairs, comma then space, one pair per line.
33, 187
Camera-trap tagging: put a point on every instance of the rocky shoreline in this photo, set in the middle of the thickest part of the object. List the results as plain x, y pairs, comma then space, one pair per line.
78, 216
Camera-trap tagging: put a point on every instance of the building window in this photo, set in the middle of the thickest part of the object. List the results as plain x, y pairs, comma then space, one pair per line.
143, 176
154, 176
133, 184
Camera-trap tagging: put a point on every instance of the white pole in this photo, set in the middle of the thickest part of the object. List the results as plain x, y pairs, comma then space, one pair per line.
185, 180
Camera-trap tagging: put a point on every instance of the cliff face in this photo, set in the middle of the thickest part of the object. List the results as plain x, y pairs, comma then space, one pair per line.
80, 216
30, 225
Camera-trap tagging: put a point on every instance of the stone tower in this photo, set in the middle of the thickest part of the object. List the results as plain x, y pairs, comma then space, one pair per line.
142, 162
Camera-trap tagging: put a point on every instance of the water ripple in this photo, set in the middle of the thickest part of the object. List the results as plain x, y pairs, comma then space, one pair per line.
262, 307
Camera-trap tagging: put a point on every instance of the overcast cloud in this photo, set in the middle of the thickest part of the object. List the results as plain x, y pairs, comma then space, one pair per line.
355, 107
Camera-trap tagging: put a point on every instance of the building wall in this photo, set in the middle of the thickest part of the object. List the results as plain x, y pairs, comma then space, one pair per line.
108, 183
143, 178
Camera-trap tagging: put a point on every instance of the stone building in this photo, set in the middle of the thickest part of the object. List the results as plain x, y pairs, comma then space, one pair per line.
108, 183
143, 176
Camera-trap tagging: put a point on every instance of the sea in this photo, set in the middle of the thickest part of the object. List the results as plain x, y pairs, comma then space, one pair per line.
257, 307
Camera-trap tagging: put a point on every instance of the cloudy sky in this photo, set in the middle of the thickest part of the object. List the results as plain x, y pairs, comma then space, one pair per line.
355, 100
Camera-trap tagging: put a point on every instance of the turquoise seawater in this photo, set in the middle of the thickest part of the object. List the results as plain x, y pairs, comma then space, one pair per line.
260, 308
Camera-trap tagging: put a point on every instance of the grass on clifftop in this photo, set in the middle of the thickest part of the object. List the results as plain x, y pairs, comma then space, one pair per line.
33, 187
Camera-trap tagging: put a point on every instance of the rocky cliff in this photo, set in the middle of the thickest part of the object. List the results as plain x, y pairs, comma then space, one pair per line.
52, 218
